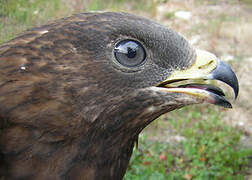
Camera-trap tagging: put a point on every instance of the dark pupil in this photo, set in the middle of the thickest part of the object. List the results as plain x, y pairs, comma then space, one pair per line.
131, 52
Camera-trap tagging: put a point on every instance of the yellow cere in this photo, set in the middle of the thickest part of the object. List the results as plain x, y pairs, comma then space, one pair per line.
204, 64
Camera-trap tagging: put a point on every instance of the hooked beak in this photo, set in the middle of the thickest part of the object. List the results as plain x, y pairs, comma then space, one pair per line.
206, 67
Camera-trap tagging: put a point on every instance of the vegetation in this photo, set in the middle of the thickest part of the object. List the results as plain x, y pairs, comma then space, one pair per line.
18, 15
211, 148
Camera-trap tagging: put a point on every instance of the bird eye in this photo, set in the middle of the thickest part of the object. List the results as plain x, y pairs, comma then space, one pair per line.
129, 53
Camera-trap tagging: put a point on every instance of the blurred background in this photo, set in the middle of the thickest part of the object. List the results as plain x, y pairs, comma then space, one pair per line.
196, 142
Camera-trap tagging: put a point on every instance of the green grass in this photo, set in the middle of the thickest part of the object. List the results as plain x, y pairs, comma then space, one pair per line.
19, 15
211, 150
122, 5
28, 11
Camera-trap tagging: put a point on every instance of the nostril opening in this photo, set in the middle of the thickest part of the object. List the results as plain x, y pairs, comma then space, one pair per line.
206, 65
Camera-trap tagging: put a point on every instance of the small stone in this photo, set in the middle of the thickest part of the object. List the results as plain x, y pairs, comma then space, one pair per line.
186, 15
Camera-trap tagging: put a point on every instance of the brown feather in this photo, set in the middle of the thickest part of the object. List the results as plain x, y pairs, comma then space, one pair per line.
66, 110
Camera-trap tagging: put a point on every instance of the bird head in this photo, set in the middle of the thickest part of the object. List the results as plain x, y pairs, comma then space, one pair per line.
133, 63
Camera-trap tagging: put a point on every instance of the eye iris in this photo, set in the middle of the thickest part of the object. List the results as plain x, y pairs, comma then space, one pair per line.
129, 53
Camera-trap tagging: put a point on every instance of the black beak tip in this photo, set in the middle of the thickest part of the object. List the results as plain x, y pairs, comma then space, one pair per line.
236, 88
224, 73
221, 101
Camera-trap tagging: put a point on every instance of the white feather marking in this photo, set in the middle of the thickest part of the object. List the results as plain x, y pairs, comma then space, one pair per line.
23, 68
43, 32
151, 108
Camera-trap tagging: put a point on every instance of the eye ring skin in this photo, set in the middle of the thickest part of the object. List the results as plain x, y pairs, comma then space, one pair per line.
129, 53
